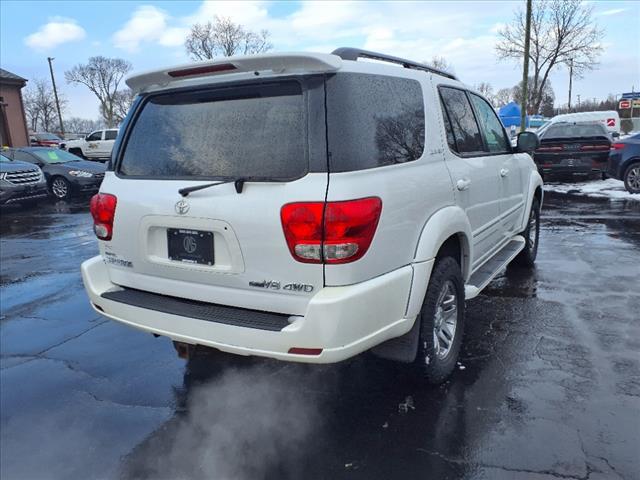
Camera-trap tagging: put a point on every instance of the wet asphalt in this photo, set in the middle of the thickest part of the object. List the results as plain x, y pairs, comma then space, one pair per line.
548, 384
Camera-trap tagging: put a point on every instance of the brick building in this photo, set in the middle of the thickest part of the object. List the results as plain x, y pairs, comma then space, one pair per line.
13, 124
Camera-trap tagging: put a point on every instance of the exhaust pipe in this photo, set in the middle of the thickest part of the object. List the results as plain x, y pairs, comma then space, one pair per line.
185, 350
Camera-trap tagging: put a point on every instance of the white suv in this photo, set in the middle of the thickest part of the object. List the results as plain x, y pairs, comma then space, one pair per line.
309, 207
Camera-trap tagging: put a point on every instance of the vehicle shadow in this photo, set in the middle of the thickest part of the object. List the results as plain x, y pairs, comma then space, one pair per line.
245, 417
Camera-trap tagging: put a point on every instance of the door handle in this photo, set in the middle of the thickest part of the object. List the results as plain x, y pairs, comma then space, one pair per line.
463, 184
504, 172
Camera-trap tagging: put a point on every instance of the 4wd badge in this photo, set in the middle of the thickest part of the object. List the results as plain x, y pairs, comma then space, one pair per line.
291, 287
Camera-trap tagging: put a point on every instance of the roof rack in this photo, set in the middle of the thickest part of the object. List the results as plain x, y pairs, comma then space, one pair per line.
354, 54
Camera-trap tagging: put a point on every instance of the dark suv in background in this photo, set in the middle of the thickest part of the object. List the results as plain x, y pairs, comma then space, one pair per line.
624, 162
20, 182
573, 148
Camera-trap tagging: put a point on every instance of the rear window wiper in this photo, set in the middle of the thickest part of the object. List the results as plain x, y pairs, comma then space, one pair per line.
238, 182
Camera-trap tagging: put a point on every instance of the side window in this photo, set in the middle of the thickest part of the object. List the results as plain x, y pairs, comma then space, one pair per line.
95, 136
491, 126
447, 127
373, 121
110, 134
463, 122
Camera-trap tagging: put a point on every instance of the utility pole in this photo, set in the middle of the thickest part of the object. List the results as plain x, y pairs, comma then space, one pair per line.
55, 93
578, 100
525, 69
570, 81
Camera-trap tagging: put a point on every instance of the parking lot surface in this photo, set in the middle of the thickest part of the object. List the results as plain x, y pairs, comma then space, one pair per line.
548, 384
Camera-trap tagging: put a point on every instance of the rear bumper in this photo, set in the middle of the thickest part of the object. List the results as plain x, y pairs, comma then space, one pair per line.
342, 321
567, 164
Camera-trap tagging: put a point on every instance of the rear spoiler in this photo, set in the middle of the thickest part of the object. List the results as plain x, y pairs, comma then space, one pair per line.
273, 62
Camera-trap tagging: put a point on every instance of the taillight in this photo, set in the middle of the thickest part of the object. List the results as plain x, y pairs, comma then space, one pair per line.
595, 147
103, 211
343, 237
549, 148
618, 146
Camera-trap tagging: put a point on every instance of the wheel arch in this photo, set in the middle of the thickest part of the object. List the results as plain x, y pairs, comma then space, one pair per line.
448, 228
447, 232
627, 163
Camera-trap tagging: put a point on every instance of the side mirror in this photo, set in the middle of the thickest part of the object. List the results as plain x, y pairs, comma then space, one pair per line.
527, 142
615, 135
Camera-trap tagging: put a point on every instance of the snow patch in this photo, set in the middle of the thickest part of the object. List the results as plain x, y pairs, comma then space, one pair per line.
611, 188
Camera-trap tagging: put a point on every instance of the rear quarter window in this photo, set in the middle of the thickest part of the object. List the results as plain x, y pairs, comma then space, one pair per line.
373, 121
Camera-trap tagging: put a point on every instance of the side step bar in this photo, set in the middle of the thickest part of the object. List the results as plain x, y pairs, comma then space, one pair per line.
492, 267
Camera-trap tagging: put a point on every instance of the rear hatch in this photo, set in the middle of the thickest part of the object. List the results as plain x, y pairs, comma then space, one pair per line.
224, 243
574, 145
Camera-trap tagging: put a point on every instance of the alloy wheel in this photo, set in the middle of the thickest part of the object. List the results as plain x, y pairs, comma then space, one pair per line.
533, 229
633, 178
446, 320
59, 188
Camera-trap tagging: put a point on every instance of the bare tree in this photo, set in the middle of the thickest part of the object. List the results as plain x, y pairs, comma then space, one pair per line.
485, 89
223, 38
440, 63
546, 103
102, 76
82, 125
122, 101
561, 30
40, 105
502, 97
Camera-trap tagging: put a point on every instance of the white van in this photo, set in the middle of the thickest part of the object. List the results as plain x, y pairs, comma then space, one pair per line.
609, 118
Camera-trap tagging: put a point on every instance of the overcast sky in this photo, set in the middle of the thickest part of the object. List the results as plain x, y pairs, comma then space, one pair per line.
151, 35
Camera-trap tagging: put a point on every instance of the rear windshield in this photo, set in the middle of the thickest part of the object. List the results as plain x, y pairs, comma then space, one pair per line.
575, 130
46, 136
373, 121
251, 132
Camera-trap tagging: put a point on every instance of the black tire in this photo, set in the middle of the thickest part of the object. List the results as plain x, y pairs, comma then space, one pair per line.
77, 152
436, 360
60, 188
632, 178
527, 257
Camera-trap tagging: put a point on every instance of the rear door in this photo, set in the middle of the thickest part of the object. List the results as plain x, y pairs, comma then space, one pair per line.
106, 145
92, 144
474, 171
225, 243
512, 167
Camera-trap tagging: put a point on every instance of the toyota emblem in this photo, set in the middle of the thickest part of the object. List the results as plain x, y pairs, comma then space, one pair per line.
182, 207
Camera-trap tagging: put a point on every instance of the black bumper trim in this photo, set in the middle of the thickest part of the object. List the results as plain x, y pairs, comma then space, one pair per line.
210, 312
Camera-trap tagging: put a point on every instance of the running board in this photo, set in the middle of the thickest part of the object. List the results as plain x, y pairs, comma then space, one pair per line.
492, 267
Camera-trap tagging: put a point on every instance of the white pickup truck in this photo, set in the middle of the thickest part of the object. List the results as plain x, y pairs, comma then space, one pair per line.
95, 146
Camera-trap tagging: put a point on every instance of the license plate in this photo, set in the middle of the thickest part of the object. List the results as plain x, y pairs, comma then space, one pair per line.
576, 162
190, 246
